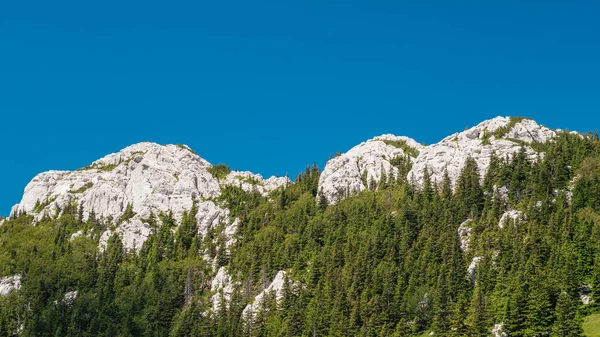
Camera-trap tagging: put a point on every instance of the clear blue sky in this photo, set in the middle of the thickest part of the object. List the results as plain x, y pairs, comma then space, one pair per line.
273, 86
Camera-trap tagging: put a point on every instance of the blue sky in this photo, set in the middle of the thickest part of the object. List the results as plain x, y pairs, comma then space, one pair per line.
271, 86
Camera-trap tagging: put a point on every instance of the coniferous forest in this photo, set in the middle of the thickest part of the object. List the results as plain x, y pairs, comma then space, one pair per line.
386, 262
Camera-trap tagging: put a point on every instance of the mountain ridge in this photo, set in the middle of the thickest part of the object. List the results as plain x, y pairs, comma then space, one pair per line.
372, 227
151, 178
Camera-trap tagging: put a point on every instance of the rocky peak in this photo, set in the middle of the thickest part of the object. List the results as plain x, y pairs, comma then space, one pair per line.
345, 175
351, 172
249, 182
140, 180
501, 135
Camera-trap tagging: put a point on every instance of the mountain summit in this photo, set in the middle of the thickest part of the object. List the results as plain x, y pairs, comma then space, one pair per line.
494, 229
370, 161
128, 186
148, 178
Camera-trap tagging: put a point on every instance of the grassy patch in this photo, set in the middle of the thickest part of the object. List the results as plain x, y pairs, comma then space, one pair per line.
185, 147
133, 156
250, 180
401, 144
503, 130
485, 140
39, 206
591, 325
219, 171
83, 188
100, 167
110, 167
128, 214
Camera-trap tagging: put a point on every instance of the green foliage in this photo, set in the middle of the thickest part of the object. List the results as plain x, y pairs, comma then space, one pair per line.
127, 214
485, 140
591, 325
219, 171
39, 206
249, 180
100, 167
401, 144
384, 262
185, 147
83, 188
503, 130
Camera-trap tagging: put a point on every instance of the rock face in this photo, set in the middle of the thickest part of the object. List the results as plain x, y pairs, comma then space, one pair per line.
8, 284
472, 269
221, 287
585, 294
512, 215
351, 172
497, 330
276, 287
464, 234
70, 297
345, 175
147, 177
478, 142
249, 182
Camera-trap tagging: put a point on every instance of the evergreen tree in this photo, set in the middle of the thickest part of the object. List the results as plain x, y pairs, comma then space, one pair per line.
567, 324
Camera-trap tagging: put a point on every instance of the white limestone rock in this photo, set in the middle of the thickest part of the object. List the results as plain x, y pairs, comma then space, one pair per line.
471, 270
70, 297
152, 178
249, 182
273, 183
147, 175
343, 175
76, 235
276, 287
464, 234
221, 287
501, 192
497, 330
451, 153
585, 299
512, 215
230, 232
585, 294
8, 284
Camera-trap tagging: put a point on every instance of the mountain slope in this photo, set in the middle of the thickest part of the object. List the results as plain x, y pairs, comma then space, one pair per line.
508, 244
368, 162
140, 180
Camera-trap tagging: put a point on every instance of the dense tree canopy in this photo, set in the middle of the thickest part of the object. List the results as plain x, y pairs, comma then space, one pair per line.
386, 262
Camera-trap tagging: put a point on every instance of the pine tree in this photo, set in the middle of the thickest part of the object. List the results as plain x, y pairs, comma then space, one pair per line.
567, 323
477, 320
458, 323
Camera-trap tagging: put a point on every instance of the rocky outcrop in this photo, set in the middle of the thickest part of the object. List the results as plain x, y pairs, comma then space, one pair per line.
585, 294
500, 192
513, 215
70, 296
501, 135
221, 287
275, 287
464, 235
497, 330
353, 171
9, 284
128, 187
472, 269
249, 182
